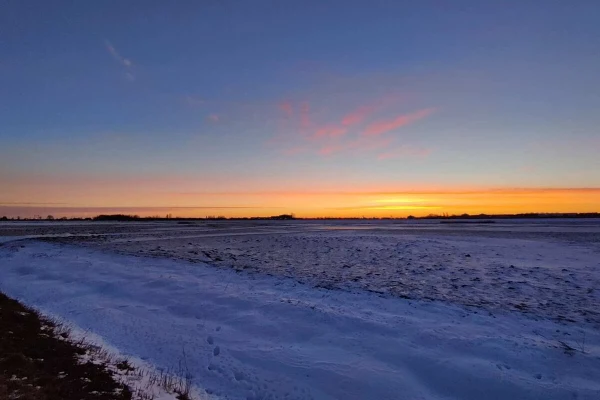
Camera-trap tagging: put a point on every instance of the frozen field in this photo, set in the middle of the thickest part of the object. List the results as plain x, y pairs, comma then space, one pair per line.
341, 310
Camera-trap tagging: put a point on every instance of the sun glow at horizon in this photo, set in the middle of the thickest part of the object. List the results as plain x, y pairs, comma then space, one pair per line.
313, 204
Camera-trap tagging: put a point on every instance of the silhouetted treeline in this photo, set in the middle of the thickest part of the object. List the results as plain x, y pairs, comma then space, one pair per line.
124, 217
116, 217
481, 218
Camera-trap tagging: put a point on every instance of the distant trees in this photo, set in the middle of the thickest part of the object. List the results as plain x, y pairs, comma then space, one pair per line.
215, 217
291, 216
284, 216
274, 217
116, 217
4, 218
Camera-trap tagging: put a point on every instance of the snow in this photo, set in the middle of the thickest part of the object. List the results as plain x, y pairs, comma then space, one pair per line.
545, 268
140, 376
247, 335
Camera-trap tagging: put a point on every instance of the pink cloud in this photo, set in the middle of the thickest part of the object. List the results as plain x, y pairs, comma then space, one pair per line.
330, 149
300, 133
381, 127
329, 131
404, 151
357, 116
361, 113
286, 107
213, 118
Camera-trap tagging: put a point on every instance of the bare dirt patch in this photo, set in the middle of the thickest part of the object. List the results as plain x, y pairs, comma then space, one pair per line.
37, 363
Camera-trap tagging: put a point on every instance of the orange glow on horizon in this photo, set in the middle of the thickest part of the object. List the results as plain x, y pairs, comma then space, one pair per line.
316, 203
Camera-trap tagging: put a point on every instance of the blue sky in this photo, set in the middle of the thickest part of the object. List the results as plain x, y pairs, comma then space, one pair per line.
253, 95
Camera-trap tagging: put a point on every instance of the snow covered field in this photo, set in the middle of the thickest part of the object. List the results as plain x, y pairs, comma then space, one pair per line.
312, 310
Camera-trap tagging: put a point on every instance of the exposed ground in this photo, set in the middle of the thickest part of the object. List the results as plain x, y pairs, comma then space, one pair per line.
37, 363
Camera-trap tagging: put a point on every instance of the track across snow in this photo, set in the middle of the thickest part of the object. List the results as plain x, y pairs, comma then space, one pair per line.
249, 336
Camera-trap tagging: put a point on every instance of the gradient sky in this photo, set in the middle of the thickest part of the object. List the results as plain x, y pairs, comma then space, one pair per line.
342, 108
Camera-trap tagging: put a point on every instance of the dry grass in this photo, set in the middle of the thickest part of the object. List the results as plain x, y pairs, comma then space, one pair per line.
37, 363
41, 360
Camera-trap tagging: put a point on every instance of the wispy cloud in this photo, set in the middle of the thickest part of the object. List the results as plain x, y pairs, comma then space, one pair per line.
357, 116
125, 62
350, 119
330, 149
330, 131
381, 127
286, 107
111, 49
303, 130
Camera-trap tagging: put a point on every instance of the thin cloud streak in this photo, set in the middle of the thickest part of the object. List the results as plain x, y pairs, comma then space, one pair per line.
330, 131
357, 116
125, 62
347, 134
381, 127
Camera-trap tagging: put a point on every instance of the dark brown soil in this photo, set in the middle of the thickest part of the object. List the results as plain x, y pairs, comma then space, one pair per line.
36, 363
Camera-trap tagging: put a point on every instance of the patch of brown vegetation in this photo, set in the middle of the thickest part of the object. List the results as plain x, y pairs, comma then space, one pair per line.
36, 363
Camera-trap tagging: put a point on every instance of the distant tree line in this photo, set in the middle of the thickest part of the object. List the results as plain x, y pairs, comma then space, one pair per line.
125, 217
116, 217
480, 217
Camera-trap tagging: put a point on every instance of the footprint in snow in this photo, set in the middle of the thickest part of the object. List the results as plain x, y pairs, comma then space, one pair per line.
238, 376
217, 351
210, 340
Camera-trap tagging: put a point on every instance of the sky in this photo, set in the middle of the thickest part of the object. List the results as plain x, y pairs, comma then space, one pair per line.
318, 108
